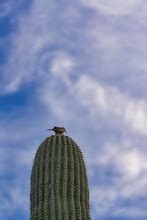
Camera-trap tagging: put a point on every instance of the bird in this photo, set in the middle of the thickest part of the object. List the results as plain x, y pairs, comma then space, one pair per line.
58, 130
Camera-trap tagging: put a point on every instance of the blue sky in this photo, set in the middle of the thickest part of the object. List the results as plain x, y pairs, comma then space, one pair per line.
82, 65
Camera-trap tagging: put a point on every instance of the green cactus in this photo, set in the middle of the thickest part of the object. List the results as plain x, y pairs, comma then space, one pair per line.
59, 186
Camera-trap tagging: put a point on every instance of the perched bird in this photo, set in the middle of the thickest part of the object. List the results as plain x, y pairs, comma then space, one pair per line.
58, 130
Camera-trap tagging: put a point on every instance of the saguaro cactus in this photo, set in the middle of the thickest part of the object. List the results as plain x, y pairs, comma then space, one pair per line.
59, 186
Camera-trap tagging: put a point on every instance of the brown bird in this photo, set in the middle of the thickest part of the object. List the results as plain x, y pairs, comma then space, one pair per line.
58, 130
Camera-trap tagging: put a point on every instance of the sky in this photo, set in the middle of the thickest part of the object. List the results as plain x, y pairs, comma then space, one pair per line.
83, 65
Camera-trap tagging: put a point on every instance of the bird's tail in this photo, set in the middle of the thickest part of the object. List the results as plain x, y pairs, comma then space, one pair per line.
50, 129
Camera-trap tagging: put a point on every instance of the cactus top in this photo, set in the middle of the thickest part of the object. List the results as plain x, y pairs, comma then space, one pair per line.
59, 186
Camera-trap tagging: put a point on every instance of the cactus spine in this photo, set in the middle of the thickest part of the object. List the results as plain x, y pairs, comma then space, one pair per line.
59, 186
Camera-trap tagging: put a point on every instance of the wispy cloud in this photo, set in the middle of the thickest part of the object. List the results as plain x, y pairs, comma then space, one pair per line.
6, 8
12, 199
127, 164
114, 7
98, 99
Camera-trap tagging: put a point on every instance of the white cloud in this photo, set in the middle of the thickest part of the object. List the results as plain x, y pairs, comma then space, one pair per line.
103, 198
61, 65
16, 199
96, 46
16, 158
113, 7
106, 202
128, 181
110, 101
97, 99
132, 163
125, 163
131, 212
26, 156
128, 160
6, 8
